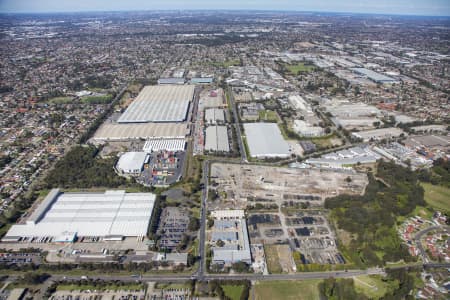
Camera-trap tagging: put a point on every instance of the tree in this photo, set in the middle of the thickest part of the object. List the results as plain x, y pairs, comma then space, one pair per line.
194, 224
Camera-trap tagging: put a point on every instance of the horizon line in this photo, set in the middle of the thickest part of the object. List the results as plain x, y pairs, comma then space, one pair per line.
222, 9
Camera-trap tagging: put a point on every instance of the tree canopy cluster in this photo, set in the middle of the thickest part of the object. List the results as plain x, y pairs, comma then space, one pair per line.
80, 168
371, 218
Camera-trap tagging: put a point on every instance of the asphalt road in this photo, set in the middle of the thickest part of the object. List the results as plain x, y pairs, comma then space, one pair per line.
418, 238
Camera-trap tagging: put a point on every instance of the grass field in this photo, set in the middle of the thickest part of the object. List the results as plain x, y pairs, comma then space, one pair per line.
437, 196
97, 99
233, 291
60, 100
371, 285
300, 67
226, 64
273, 262
268, 115
287, 290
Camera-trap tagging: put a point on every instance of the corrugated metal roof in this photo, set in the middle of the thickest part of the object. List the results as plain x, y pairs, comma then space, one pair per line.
265, 140
159, 104
93, 214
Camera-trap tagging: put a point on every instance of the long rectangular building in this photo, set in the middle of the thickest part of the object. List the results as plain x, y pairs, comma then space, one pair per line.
217, 139
112, 213
160, 104
265, 140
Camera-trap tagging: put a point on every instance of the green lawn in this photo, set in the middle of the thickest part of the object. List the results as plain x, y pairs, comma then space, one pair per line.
437, 196
60, 100
227, 63
372, 286
287, 290
233, 291
300, 67
97, 99
268, 115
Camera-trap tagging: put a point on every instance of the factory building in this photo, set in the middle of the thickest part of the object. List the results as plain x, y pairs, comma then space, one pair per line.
214, 116
231, 228
378, 134
159, 104
307, 130
132, 163
265, 140
65, 216
217, 139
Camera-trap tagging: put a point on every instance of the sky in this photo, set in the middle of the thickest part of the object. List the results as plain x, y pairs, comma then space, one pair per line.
402, 7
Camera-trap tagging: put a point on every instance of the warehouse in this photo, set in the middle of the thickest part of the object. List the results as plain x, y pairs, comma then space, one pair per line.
214, 116
265, 140
217, 139
131, 163
155, 145
378, 134
64, 216
234, 234
126, 132
307, 130
374, 76
159, 104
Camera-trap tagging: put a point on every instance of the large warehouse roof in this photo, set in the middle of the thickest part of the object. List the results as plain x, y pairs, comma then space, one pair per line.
91, 214
217, 138
159, 104
265, 140
110, 131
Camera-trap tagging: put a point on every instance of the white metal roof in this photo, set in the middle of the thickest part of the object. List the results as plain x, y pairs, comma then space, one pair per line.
93, 214
265, 140
217, 139
159, 104
131, 161
136, 131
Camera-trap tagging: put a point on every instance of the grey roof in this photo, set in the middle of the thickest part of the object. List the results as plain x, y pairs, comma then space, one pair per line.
265, 140
159, 104
217, 139
171, 80
224, 236
214, 115
40, 211
377, 77
202, 80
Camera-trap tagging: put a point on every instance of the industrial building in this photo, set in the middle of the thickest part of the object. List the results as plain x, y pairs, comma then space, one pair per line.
378, 134
231, 228
345, 158
155, 145
307, 130
130, 131
202, 80
159, 104
132, 163
374, 76
171, 80
265, 140
65, 216
217, 139
214, 116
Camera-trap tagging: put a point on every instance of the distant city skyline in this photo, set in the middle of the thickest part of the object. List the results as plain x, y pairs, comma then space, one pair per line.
400, 7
